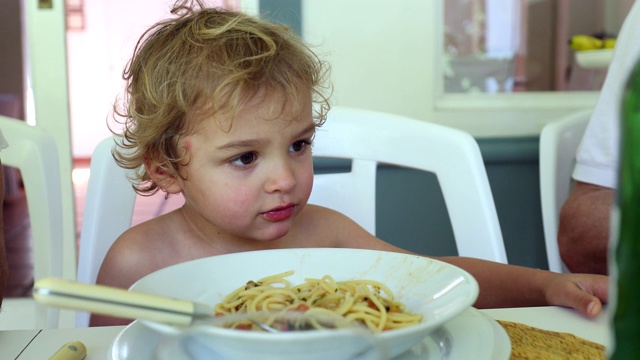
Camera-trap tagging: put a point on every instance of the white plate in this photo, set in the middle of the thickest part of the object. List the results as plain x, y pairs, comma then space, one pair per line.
437, 290
470, 335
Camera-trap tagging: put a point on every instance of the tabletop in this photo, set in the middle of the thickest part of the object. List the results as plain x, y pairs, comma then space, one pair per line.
41, 344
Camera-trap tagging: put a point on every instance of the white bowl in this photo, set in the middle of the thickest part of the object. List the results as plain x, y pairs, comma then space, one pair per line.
594, 59
435, 289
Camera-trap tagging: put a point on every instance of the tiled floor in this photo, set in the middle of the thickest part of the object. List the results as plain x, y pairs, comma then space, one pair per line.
18, 233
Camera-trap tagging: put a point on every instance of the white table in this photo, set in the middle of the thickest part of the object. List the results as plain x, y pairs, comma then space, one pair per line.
41, 344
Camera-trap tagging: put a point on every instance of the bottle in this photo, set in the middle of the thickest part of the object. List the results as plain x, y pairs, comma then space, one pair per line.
625, 240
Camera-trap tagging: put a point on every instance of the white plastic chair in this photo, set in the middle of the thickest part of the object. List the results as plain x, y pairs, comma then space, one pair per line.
108, 210
559, 142
370, 138
366, 137
33, 151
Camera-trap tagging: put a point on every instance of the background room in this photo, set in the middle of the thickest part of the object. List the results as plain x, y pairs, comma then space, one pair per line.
497, 69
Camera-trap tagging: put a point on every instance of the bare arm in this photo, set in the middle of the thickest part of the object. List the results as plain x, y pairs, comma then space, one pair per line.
583, 233
513, 286
501, 285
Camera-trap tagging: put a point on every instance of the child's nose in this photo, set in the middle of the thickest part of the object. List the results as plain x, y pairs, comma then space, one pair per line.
281, 178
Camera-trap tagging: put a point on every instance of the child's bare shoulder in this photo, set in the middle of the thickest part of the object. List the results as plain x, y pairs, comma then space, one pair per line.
330, 228
320, 216
136, 253
140, 237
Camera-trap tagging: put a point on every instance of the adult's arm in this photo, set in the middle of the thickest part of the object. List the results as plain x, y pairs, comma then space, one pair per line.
583, 233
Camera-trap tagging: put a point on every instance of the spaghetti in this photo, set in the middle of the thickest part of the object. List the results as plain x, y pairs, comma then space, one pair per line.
368, 302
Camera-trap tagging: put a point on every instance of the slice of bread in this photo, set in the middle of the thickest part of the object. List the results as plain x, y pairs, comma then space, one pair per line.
529, 342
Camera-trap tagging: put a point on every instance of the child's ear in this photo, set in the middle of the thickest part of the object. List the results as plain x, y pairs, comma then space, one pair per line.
166, 181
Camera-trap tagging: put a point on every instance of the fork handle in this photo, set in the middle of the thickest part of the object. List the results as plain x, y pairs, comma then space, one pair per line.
113, 301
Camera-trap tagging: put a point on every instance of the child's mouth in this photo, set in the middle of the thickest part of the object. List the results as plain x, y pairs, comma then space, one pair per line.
279, 214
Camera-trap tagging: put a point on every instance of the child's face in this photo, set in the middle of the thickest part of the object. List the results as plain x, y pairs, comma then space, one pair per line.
251, 181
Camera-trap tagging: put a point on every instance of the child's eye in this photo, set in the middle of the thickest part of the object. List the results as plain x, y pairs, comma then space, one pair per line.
244, 159
299, 146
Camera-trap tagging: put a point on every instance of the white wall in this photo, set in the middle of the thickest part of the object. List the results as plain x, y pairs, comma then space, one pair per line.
384, 55
379, 51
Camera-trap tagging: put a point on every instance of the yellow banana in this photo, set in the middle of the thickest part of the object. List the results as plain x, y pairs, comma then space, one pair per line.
585, 42
609, 43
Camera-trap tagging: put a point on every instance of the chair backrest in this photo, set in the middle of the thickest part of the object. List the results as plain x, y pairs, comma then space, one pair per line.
34, 152
559, 142
370, 138
108, 211
349, 133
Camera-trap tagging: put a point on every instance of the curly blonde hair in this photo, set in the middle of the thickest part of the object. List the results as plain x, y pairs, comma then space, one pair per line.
211, 60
